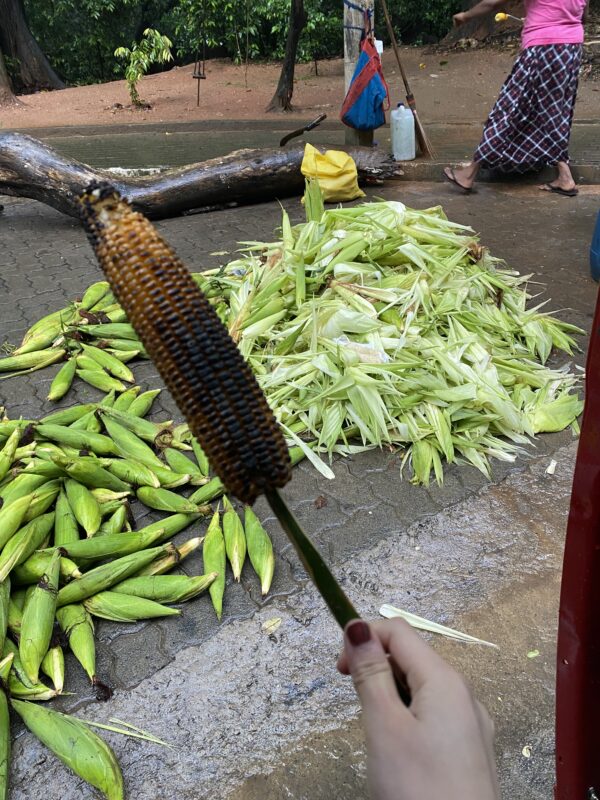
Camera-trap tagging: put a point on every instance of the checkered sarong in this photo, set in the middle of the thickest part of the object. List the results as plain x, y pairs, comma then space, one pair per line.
530, 125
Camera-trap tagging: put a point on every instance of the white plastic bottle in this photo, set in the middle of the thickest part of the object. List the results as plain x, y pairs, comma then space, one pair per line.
403, 133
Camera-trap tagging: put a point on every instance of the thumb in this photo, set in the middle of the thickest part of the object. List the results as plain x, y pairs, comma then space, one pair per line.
369, 666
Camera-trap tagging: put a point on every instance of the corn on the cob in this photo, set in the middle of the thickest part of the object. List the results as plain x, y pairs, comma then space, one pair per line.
65, 523
143, 403
8, 452
38, 620
24, 543
198, 360
32, 570
62, 380
112, 544
53, 665
166, 588
172, 558
4, 745
66, 416
4, 609
126, 607
84, 506
11, 517
78, 627
125, 399
79, 748
214, 558
260, 549
235, 541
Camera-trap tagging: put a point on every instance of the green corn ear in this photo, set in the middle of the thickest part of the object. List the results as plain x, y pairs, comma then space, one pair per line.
32, 570
38, 620
8, 452
133, 472
94, 294
142, 404
260, 549
125, 399
164, 500
81, 440
42, 499
214, 557
94, 476
126, 608
109, 362
100, 379
4, 745
11, 517
53, 665
172, 558
103, 577
111, 545
143, 428
166, 588
77, 625
31, 360
84, 505
129, 445
4, 609
62, 380
115, 523
182, 464
19, 487
65, 523
66, 416
201, 458
24, 543
235, 541
79, 748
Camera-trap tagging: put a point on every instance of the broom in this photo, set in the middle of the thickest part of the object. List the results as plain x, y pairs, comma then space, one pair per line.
424, 144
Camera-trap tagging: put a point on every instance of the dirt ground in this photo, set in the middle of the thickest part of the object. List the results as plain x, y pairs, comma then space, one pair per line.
454, 87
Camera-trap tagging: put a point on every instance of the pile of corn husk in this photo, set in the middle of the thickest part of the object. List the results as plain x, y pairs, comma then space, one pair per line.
383, 325
377, 325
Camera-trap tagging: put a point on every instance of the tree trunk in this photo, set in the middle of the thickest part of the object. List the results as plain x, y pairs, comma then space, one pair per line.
282, 99
482, 27
29, 168
16, 40
7, 97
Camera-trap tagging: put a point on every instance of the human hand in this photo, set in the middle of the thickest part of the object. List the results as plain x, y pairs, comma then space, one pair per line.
459, 19
440, 746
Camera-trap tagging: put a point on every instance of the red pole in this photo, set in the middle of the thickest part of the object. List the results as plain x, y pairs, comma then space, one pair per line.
578, 658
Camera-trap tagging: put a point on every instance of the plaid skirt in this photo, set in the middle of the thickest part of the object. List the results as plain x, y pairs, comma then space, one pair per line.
530, 125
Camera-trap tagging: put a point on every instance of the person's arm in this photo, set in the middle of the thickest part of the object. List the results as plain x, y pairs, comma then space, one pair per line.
482, 8
441, 746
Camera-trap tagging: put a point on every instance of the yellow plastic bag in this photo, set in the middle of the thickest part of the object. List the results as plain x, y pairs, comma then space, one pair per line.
335, 172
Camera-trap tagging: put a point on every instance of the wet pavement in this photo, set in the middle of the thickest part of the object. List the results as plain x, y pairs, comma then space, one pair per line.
253, 715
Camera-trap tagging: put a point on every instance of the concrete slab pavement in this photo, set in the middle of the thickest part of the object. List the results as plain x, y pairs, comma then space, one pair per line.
253, 716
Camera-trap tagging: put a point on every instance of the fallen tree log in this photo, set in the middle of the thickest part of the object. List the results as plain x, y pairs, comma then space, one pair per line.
30, 168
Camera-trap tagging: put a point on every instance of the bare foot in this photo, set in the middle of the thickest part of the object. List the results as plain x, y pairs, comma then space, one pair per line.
564, 184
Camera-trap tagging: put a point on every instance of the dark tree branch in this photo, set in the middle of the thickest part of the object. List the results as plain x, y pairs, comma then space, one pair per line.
30, 168
282, 99
17, 41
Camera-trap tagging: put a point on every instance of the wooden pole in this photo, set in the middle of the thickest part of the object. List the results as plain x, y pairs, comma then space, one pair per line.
354, 20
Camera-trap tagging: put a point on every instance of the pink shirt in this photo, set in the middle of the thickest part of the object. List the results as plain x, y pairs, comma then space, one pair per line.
553, 22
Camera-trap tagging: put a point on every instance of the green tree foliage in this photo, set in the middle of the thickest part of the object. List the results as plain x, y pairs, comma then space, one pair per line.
153, 48
80, 36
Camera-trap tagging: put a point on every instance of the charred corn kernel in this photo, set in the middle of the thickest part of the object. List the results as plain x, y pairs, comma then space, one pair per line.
166, 588
126, 398
94, 294
7, 453
77, 625
185, 466
84, 505
115, 523
11, 517
65, 523
260, 549
101, 380
66, 416
4, 745
82, 440
81, 750
209, 379
235, 541
32, 570
214, 558
142, 404
34, 360
106, 575
126, 608
25, 542
133, 472
113, 544
201, 458
164, 500
62, 380
53, 665
38, 620
172, 558
108, 362
129, 445
4, 609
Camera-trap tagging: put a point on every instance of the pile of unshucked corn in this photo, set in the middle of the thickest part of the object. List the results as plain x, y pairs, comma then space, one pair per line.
368, 326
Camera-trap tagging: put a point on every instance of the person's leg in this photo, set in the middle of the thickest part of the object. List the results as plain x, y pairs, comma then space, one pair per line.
463, 176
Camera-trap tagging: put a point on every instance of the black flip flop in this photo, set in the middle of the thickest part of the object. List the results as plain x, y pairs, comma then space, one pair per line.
451, 178
558, 190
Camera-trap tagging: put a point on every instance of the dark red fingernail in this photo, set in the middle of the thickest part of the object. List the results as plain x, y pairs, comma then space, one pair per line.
358, 632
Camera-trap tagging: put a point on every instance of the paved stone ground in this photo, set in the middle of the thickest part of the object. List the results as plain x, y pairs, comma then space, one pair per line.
253, 716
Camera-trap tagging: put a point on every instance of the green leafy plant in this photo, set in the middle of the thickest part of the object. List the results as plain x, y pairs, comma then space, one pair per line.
153, 48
